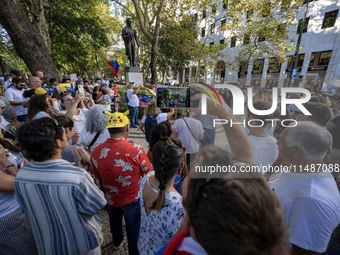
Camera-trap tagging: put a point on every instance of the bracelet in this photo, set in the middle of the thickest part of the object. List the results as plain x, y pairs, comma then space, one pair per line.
5, 169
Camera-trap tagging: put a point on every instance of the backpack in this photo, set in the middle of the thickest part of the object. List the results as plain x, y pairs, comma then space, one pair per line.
150, 122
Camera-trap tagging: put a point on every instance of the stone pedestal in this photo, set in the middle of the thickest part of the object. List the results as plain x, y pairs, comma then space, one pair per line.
133, 74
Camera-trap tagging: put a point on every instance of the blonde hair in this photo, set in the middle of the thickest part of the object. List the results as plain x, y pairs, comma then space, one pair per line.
151, 109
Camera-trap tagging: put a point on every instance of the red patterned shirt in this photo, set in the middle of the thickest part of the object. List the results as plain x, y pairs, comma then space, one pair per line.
120, 165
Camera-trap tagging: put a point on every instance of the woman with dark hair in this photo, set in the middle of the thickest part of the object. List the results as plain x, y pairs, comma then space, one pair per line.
159, 131
161, 205
71, 153
39, 106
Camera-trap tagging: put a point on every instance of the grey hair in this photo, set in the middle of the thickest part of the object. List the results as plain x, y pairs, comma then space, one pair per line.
96, 120
314, 140
2, 103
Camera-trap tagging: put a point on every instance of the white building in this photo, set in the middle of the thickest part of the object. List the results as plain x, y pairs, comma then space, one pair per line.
318, 61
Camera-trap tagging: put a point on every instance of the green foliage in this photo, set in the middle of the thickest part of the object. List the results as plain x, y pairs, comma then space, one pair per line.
177, 43
81, 33
8, 56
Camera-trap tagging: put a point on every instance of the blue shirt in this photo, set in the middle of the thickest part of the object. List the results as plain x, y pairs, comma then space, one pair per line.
62, 203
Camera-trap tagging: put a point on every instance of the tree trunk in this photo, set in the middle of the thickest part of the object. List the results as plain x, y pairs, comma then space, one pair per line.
28, 42
153, 63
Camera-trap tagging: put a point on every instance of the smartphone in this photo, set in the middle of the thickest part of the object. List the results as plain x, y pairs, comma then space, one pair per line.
174, 97
81, 89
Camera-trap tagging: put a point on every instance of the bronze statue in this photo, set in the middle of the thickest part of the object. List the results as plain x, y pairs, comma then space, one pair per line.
130, 36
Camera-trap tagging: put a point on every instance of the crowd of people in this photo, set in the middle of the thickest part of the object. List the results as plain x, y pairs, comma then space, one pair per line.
66, 155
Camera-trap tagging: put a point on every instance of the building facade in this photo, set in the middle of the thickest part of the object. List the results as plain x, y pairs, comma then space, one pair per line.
317, 63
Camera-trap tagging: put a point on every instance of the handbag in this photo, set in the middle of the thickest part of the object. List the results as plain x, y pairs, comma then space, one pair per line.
85, 153
88, 147
85, 157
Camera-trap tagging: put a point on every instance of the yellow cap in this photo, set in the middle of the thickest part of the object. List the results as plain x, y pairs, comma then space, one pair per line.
117, 119
40, 91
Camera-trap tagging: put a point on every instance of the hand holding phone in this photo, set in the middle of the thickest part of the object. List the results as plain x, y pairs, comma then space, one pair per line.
81, 89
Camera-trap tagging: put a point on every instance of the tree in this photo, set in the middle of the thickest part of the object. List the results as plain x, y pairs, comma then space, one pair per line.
69, 34
28, 42
81, 34
177, 43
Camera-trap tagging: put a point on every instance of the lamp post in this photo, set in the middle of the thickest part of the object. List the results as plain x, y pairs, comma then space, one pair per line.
297, 49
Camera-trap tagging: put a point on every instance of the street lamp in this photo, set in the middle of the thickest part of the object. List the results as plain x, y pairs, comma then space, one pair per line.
297, 49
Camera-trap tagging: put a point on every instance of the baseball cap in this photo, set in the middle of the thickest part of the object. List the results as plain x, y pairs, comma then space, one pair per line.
43, 91
117, 119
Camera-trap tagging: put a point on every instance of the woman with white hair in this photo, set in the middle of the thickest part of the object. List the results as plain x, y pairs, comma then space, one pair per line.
95, 131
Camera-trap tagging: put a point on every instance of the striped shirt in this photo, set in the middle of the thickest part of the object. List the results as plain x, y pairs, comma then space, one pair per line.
62, 203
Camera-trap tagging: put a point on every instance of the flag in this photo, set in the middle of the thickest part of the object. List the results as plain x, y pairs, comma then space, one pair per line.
120, 60
115, 66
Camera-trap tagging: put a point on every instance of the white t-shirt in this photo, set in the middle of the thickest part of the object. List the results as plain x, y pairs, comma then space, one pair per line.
185, 136
311, 204
133, 98
14, 94
40, 115
157, 228
160, 118
3, 123
85, 138
265, 150
79, 120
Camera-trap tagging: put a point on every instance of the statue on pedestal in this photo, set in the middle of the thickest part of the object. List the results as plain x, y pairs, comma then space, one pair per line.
130, 36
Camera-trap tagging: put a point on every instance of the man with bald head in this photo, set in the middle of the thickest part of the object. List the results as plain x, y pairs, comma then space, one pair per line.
34, 82
308, 193
40, 75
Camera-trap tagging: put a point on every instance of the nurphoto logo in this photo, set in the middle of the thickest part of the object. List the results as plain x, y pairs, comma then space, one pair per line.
239, 104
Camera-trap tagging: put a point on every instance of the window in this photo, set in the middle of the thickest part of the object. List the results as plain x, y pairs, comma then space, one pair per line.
222, 41
330, 18
246, 39
204, 14
233, 41
213, 9
258, 64
261, 38
311, 62
212, 43
250, 15
212, 29
290, 60
265, 12
304, 27
225, 4
324, 58
282, 28
196, 17
285, 4
300, 59
223, 24
203, 32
